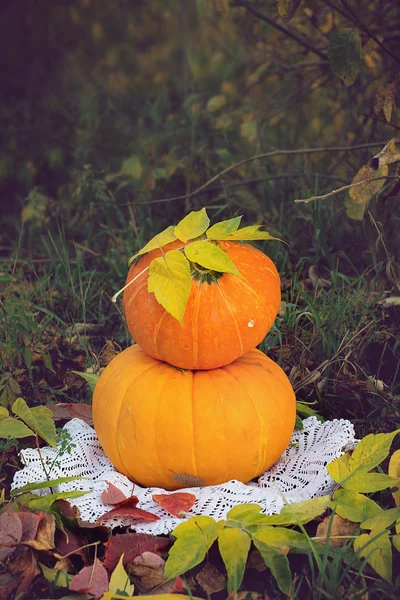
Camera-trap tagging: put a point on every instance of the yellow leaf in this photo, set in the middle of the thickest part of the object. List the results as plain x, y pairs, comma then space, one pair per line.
216, 102
209, 256
158, 241
394, 471
363, 193
170, 281
385, 100
287, 8
119, 580
193, 225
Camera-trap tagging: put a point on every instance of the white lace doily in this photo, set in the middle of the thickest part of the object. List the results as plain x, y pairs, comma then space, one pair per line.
299, 474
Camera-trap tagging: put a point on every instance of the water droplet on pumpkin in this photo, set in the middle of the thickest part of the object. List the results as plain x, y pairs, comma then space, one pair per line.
250, 323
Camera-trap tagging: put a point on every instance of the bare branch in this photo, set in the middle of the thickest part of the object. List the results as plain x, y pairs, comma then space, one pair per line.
342, 189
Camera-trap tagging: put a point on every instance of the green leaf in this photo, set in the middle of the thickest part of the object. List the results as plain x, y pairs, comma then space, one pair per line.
234, 545
170, 280
355, 211
14, 428
3, 413
353, 506
45, 502
344, 50
209, 256
193, 540
223, 228
241, 511
193, 225
277, 562
90, 378
383, 520
216, 102
132, 167
249, 233
30, 487
280, 537
376, 548
394, 471
119, 580
295, 513
39, 419
158, 241
369, 482
305, 409
59, 577
368, 454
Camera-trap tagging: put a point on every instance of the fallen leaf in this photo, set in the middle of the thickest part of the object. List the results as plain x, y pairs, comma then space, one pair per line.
112, 495
10, 532
340, 528
175, 503
66, 412
30, 523
132, 545
210, 579
92, 580
25, 566
128, 508
391, 301
71, 543
44, 539
256, 561
8, 584
147, 571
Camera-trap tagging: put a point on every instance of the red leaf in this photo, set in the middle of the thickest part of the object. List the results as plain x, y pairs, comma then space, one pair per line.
176, 503
127, 508
10, 532
112, 495
30, 522
132, 545
92, 580
71, 543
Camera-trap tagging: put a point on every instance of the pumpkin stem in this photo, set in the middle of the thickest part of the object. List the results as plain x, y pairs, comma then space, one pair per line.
114, 298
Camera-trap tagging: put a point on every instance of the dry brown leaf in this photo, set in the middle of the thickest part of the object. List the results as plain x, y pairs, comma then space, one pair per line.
385, 100
363, 193
45, 534
386, 156
210, 579
340, 527
256, 561
147, 571
394, 471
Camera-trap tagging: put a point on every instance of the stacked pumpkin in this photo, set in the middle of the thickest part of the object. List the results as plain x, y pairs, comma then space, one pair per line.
193, 402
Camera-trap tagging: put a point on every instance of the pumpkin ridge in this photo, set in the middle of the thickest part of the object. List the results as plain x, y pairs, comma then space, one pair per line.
262, 439
157, 331
260, 298
195, 326
134, 382
233, 318
209, 375
135, 293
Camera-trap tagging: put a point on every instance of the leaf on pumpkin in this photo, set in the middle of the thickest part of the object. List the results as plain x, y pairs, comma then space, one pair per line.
287, 8
119, 580
112, 495
234, 545
14, 428
354, 506
386, 156
92, 580
385, 100
39, 419
376, 548
223, 228
128, 508
193, 225
210, 256
170, 281
394, 471
193, 540
344, 52
132, 545
90, 378
249, 233
175, 503
158, 241
277, 563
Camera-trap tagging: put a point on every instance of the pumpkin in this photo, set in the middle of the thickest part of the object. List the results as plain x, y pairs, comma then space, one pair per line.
165, 427
225, 317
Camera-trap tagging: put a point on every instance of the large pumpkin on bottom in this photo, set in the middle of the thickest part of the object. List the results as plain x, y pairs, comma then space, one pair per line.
164, 427
225, 317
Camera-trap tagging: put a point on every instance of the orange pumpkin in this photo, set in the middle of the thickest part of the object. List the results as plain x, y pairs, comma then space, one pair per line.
161, 426
225, 316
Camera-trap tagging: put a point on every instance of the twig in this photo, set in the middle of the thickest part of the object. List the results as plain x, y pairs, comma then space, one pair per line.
258, 157
342, 189
282, 29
